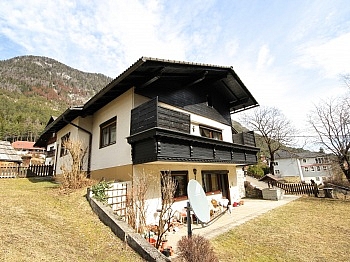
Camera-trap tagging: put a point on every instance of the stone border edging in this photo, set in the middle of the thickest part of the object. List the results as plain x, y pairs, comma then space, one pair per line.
123, 231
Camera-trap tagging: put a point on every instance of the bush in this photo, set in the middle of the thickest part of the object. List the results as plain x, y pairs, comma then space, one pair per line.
196, 249
255, 171
99, 191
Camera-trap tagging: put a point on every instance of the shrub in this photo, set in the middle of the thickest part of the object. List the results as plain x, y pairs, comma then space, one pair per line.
99, 191
73, 177
255, 171
196, 249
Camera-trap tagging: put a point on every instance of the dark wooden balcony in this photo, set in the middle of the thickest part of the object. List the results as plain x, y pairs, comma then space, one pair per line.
161, 134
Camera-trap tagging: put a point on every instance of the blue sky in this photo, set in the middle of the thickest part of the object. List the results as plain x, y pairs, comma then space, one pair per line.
289, 53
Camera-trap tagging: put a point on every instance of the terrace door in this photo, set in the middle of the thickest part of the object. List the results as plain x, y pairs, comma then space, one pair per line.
216, 182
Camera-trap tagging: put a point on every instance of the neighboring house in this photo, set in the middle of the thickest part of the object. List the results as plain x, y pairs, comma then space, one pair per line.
50, 144
29, 153
163, 116
8, 156
305, 165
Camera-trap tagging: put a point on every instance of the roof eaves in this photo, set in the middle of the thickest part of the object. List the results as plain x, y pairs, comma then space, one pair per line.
114, 82
183, 62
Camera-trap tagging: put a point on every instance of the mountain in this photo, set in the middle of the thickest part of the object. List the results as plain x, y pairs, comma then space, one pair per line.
33, 88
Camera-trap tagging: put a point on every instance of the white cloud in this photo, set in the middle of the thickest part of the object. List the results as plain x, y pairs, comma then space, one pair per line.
265, 59
331, 56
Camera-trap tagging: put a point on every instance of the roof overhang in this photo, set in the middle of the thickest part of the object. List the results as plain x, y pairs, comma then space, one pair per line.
147, 72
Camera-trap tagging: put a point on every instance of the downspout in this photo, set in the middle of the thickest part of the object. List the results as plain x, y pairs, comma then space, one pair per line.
90, 144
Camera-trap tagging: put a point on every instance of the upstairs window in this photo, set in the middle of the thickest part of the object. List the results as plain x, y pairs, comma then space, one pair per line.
210, 132
108, 132
64, 139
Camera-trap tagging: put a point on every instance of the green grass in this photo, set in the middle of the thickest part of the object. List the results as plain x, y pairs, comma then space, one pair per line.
308, 229
38, 223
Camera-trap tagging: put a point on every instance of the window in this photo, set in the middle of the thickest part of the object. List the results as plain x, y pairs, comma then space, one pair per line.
306, 169
304, 160
277, 172
108, 132
181, 179
312, 169
215, 181
64, 150
275, 163
318, 168
210, 132
324, 167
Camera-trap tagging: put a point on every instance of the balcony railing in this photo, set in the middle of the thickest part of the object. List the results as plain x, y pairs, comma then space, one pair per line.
161, 134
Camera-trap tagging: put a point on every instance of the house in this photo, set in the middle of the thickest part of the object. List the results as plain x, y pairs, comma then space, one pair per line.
29, 153
10, 161
163, 116
50, 144
8, 155
306, 166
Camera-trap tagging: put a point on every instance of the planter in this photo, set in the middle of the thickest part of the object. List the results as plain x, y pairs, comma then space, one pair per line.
273, 193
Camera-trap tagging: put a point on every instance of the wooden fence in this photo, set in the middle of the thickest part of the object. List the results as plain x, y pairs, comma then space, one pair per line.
29, 171
298, 188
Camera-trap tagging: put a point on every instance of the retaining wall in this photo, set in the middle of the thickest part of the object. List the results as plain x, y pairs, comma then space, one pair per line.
123, 231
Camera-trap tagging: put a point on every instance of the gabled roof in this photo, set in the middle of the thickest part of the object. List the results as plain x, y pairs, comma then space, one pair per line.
269, 177
7, 153
24, 145
149, 73
283, 154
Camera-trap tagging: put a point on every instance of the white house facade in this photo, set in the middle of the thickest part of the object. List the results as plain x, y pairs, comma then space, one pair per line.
305, 165
163, 116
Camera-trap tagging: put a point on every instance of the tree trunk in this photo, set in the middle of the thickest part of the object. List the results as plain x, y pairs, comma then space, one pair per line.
272, 164
344, 167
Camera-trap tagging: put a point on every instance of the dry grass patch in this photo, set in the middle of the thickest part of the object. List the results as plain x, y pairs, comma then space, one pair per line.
38, 223
308, 229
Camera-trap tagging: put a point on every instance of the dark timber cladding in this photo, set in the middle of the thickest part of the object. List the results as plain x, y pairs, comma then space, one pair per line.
150, 115
162, 134
159, 144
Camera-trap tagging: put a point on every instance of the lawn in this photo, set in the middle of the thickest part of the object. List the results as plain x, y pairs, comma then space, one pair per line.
308, 229
38, 223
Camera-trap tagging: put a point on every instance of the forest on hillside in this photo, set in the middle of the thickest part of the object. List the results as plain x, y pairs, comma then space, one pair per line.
34, 88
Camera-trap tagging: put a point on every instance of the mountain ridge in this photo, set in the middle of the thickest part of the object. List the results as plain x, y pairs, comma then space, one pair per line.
34, 88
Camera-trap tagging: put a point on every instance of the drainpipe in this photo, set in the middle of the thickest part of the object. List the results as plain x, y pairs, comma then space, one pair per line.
90, 144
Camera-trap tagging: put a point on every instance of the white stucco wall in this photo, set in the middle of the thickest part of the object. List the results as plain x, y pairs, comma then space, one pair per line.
65, 160
152, 172
120, 152
287, 167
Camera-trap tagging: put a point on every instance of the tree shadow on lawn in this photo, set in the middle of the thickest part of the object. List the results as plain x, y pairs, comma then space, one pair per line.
38, 179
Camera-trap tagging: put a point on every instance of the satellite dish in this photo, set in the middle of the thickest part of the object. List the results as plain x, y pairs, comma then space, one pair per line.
198, 201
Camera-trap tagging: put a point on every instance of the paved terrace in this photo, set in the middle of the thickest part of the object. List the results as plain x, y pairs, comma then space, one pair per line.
239, 215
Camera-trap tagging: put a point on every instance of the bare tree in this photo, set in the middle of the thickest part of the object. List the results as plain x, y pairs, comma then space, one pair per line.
274, 128
73, 175
136, 201
166, 213
331, 122
346, 79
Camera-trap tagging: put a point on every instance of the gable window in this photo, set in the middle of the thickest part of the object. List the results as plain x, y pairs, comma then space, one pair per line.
181, 180
64, 139
108, 132
210, 132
